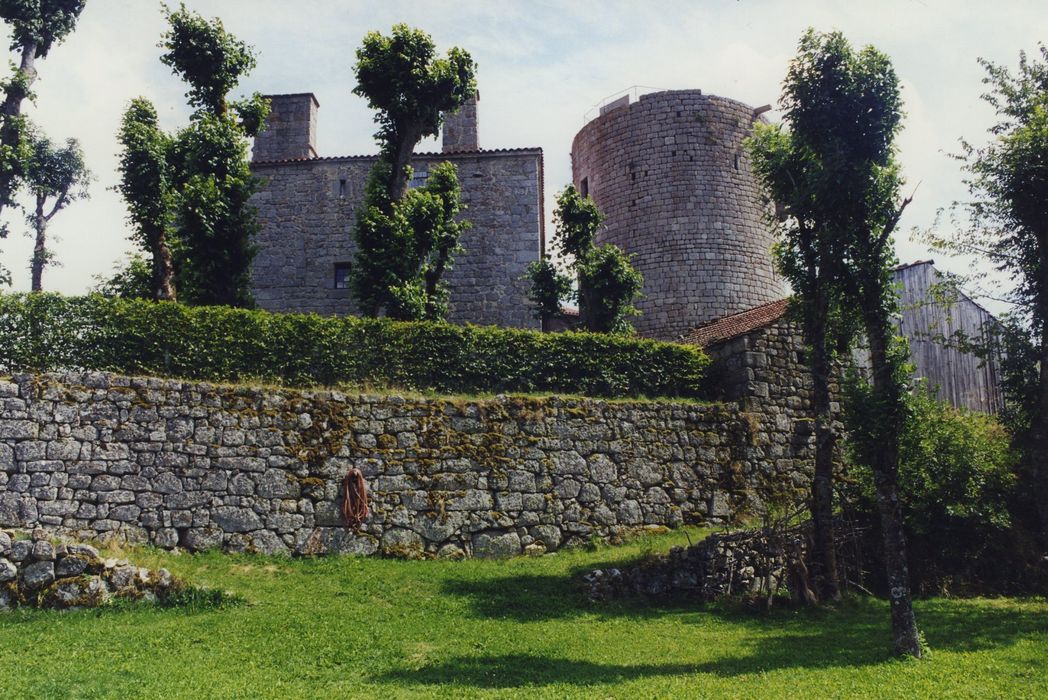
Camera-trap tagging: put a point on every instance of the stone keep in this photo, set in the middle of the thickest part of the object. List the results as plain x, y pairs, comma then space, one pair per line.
307, 206
670, 174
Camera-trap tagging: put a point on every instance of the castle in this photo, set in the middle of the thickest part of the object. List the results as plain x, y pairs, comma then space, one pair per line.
670, 174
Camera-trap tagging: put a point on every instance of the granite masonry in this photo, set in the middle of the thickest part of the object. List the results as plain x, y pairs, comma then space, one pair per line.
39, 571
197, 466
674, 182
307, 208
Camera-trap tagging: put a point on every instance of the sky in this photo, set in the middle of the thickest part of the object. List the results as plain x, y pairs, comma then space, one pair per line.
542, 68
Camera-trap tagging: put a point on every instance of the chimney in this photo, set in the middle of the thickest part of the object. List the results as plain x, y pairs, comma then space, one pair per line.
291, 129
460, 128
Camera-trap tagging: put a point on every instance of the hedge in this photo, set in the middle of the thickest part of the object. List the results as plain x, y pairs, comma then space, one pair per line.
48, 332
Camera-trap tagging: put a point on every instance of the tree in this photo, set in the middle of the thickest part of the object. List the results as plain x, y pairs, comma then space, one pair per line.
844, 110
798, 169
411, 90
215, 222
607, 283
36, 26
55, 176
1007, 224
406, 240
548, 286
132, 279
402, 256
145, 183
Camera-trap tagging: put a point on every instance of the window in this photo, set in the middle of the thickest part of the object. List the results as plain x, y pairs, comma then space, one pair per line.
584, 187
418, 178
342, 275
342, 187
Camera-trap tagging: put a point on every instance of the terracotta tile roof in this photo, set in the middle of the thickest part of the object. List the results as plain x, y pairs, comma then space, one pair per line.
428, 155
737, 324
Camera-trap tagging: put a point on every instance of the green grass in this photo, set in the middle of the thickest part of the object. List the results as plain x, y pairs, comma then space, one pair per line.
352, 627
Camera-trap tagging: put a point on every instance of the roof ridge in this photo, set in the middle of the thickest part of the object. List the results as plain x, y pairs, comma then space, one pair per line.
421, 154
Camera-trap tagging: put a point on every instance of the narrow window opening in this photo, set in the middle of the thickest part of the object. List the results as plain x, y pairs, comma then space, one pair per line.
584, 187
342, 275
736, 161
342, 187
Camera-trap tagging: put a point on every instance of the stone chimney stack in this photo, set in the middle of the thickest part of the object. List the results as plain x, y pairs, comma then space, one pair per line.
460, 128
291, 129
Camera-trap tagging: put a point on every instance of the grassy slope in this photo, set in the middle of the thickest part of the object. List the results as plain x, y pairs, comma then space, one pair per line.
367, 627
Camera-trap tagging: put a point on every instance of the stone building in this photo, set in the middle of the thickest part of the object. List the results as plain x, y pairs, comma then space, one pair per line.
671, 176
760, 358
307, 207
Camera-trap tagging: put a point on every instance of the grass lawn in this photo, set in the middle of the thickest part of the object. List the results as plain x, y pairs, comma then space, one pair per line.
354, 627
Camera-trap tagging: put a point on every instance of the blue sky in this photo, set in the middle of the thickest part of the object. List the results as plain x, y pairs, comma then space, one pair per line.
542, 67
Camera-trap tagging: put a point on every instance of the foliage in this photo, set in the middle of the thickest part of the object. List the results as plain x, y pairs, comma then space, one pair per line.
403, 255
608, 285
146, 186
406, 240
40, 22
1006, 223
497, 629
958, 471
409, 87
846, 106
576, 220
548, 286
44, 332
607, 282
207, 57
58, 175
35, 26
131, 280
215, 222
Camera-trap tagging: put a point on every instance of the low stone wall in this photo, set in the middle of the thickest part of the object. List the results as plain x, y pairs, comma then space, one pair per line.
180, 464
67, 575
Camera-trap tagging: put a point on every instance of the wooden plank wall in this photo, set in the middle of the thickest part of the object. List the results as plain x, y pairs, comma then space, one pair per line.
928, 323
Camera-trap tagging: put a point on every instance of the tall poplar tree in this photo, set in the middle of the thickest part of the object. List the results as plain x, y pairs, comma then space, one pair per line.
406, 240
838, 179
36, 26
214, 220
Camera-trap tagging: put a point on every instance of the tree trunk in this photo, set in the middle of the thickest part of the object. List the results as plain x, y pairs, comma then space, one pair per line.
12, 110
402, 153
885, 465
40, 247
1037, 454
163, 269
825, 444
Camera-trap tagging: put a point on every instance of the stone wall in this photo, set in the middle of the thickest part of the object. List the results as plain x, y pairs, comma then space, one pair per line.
765, 370
307, 209
672, 177
198, 466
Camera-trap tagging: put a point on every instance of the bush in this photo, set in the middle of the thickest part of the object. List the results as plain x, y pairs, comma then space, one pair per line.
956, 479
48, 332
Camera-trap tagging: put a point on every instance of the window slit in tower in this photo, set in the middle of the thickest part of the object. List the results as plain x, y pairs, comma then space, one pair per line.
342, 187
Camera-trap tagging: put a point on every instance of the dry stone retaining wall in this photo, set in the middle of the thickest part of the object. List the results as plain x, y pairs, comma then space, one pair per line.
181, 464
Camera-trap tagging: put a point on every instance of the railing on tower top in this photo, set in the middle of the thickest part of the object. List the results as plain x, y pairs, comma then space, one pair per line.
633, 93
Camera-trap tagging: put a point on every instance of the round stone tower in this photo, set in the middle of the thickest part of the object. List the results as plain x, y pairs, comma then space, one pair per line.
671, 176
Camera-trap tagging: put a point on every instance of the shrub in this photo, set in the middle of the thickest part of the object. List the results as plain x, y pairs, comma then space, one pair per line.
47, 332
956, 478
